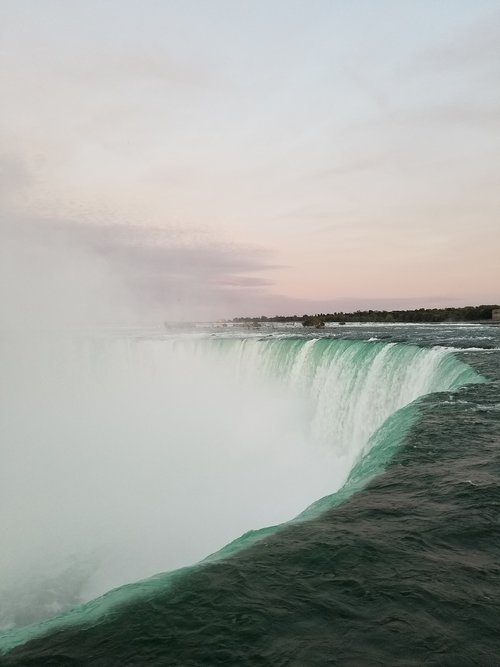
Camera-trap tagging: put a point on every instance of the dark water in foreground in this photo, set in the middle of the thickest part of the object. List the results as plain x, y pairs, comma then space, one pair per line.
404, 572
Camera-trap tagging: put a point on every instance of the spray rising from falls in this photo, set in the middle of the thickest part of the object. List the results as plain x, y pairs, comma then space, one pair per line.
127, 457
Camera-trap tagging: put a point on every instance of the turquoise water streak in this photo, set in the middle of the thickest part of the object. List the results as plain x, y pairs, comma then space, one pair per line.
357, 396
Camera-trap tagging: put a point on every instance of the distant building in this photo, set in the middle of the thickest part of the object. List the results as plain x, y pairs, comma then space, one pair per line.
495, 315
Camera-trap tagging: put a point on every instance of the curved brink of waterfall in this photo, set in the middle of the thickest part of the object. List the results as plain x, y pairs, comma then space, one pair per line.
362, 396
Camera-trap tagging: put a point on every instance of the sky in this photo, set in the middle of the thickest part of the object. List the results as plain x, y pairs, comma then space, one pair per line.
190, 159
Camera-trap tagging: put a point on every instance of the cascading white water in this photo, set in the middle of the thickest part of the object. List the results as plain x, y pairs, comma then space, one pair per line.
127, 456
350, 387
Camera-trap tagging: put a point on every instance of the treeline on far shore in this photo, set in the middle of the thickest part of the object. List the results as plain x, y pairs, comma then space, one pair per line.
465, 314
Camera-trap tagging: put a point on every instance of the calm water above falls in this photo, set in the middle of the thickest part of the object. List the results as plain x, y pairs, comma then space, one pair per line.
400, 567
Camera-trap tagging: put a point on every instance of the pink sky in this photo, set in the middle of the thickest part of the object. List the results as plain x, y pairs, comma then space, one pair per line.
262, 158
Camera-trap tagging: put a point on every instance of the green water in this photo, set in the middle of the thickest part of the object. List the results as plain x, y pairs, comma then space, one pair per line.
397, 567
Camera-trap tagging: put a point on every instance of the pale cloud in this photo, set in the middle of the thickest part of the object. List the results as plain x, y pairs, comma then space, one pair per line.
475, 48
77, 269
15, 176
127, 67
253, 157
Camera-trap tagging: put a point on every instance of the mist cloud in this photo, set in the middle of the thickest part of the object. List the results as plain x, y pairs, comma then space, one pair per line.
55, 271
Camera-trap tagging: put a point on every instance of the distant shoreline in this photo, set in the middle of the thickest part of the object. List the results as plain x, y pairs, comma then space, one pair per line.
483, 314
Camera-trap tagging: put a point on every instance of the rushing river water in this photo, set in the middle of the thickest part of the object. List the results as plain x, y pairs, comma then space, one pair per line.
308, 498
